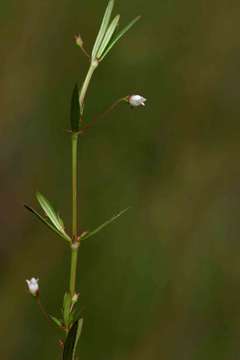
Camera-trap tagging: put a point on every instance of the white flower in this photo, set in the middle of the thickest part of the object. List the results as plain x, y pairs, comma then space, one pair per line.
33, 286
136, 100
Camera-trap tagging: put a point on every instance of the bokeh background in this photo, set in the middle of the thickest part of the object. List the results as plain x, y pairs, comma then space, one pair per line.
164, 281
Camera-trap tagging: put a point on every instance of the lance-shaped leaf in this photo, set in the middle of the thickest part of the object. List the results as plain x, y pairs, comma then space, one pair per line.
67, 302
44, 221
75, 110
103, 28
57, 321
79, 331
50, 212
108, 36
71, 341
102, 226
119, 36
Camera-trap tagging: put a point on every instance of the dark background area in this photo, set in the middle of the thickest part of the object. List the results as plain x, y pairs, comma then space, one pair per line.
163, 282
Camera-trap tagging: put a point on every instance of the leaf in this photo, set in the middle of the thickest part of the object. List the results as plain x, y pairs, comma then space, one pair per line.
72, 339
56, 321
66, 298
50, 212
99, 228
79, 331
44, 221
119, 36
60, 221
103, 28
67, 302
75, 110
108, 35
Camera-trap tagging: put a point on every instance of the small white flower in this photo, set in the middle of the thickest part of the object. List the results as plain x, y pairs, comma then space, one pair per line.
33, 286
136, 100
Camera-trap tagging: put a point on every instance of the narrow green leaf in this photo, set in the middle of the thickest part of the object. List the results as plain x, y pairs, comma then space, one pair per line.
103, 28
119, 36
108, 36
78, 334
56, 321
60, 221
67, 302
44, 221
49, 211
75, 110
99, 228
69, 346
66, 299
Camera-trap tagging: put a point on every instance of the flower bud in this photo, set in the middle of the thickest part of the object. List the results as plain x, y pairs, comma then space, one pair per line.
79, 40
75, 298
33, 286
136, 100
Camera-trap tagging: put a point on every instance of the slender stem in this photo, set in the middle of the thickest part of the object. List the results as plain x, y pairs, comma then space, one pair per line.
85, 52
106, 112
73, 277
74, 248
86, 83
44, 312
74, 185
75, 136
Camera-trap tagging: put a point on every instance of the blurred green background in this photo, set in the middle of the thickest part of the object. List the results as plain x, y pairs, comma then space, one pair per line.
164, 281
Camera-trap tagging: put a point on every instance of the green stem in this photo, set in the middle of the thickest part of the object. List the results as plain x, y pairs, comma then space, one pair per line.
74, 185
73, 276
75, 136
86, 83
74, 248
